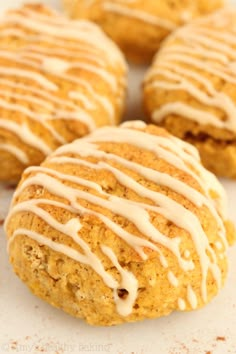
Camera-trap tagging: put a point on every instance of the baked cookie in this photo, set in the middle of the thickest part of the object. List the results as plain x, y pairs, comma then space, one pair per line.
122, 225
59, 79
139, 26
191, 89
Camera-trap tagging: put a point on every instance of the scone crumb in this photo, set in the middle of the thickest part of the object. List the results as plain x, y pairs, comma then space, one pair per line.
220, 338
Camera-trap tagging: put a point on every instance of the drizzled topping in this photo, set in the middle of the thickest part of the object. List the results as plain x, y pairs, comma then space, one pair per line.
195, 60
80, 195
124, 9
57, 71
140, 11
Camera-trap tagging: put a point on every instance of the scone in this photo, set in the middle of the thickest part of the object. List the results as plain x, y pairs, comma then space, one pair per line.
119, 226
140, 26
190, 89
59, 79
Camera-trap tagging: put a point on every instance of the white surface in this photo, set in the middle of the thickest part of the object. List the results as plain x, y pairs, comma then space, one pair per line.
28, 325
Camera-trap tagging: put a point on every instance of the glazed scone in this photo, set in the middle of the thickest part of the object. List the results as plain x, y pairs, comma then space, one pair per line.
119, 226
138, 26
190, 89
59, 79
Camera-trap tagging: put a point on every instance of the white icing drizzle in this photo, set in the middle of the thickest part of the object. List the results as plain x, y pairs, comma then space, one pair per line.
58, 66
80, 116
82, 54
192, 298
193, 53
218, 245
132, 240
25, 135
61, 48
82, 31
103, 101
175, 154
218, 99
51, 65
136, 124
15, 151
213, 98
140, 15
72, 50
187, 253
47, 97
29, 98
81, 97
72, 189
163, 179
33, 116
181, 304
172, 279
28, 74
128, 282
113, 204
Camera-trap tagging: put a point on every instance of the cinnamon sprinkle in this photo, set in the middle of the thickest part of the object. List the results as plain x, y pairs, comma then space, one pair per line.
219, 338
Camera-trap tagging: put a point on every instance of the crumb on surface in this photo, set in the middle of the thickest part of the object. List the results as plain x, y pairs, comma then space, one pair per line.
220, 338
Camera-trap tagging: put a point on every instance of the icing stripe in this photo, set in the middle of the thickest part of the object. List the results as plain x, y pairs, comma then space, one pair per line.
41, 118
181, 304
29, 74
192, 298
18, 153
71, 30
176, 155
138, 15
84, 54
161, 178
60, 74
25, 135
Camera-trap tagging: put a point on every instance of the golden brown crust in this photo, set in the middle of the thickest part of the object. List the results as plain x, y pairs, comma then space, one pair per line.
34, 87
76, 287
190, 90
217, 147
140, 37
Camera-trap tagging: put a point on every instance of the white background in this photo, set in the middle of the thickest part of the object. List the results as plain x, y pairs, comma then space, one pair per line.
28, 325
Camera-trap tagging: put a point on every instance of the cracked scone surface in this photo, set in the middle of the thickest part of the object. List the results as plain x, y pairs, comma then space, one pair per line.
59, 80
122, 225
140, 26
190, 89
